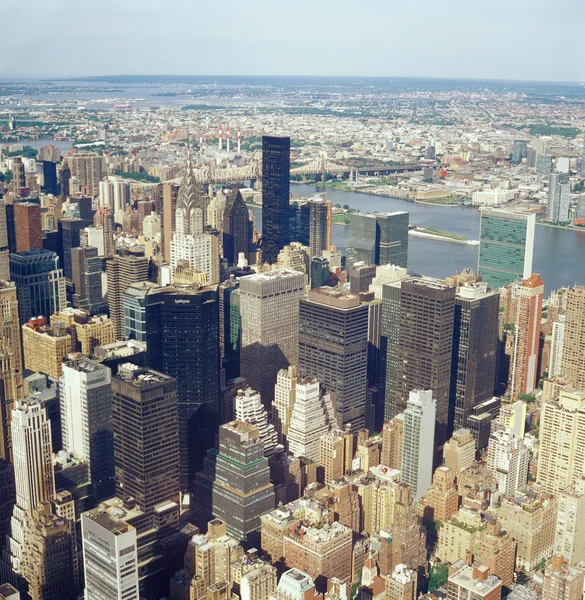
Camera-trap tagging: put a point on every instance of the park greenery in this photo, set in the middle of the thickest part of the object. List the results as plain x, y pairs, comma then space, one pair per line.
26, 152
142, 176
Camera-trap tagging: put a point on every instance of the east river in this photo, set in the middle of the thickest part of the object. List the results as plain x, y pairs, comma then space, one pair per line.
559, 254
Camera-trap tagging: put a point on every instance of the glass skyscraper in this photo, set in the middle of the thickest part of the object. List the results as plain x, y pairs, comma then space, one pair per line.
39, 283
275, 196
506, 245
378, 239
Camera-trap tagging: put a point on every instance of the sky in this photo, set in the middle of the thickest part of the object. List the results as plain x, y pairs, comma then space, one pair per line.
491, 39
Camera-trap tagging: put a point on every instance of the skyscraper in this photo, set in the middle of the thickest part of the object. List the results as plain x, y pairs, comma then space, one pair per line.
556, 347
182, 325
50, 177
33, 469
319, 226
573, 363
135, 326
229, 327
192, 242
64, 179
333, 348
519, 151
506, 244
146, 454
167, 216
248, 407
269, 313
524, 364
11, 382
40, 285
27, 217
569, 540
378, 239
18, 175
508, 460
559, 189
236, 227
234, 485
275, 196
87, 170
69, 238
110, 557
86, 274
417, 441
85, 390
427, 308
123, 269
475, 339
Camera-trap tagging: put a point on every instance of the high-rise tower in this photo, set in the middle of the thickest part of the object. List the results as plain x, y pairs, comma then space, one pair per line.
236, 227
573, 361
269, 313
275, 196
506, 245
27, 217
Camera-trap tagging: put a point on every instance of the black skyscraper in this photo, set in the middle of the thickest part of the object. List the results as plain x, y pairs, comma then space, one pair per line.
275, 196
236, 229
69, 238
183, 341
50, 177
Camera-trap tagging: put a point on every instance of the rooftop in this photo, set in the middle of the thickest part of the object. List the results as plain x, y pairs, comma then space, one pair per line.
108, 521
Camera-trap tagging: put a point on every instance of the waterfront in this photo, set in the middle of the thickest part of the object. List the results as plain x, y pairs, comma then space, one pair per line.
559, 254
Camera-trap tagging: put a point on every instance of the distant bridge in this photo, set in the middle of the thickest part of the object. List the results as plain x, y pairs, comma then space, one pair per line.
321, 165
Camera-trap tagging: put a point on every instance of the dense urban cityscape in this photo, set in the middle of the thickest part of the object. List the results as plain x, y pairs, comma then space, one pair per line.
274, 338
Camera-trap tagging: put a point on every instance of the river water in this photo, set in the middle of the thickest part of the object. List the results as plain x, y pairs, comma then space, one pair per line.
559, 254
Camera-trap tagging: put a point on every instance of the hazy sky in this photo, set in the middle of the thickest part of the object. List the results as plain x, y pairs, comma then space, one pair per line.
500, 39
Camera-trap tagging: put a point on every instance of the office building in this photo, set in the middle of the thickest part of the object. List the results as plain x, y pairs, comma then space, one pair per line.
555, 364
234, 485
323, 550
11, 364
50, 178
87, 170
135, 327
269, 316
295, 585
27, 218
570, 528
85, 390
508, 460
40, 285
69, 237
47, 564
45, 346
123, 269
229, 327
427, 308
459, 535
573, 363
561, 435
392, 431
86, 275
7, 592
284, 400
524, 363
5, 241
475, 339
459, 451
559, 189
110, 557
474, 583
378, 239
7, 499
248, 408
361, 277
192, 243
182, 325
506, 245
64, 180
33, 470
401, 584
417, 441
18, 175
259, 583
562, 581
441, 501
530, 518
275, 196
170, 193
519, 151
236, 228
544, 164
333, 348
320, 274
146, 458
311, 418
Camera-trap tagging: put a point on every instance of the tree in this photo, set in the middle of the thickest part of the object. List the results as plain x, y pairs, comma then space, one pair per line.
439, 576
527, 397
346, 207
6, 177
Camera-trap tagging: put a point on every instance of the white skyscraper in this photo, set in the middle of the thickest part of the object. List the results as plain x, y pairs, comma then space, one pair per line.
386, 274
556, 347
110, 557
418, 438
249, 408
284, 399
85, 390
33, 469
558, 198
191, 243
508, 460
570, 531
312, 417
